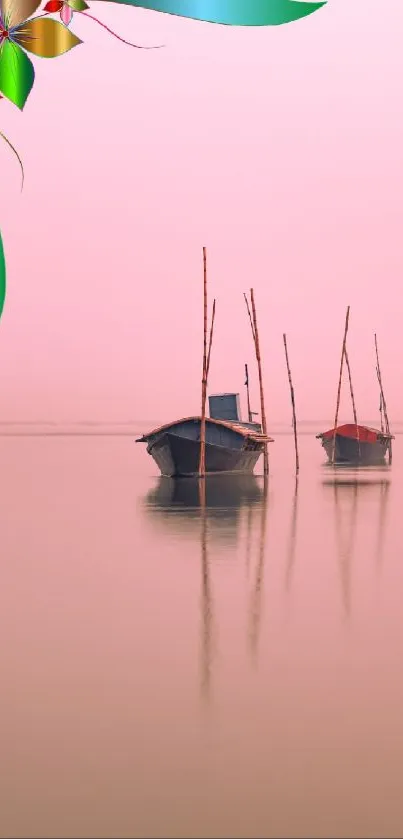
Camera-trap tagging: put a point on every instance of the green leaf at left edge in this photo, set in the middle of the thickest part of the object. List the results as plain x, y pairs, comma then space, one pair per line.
16, 74
2, 276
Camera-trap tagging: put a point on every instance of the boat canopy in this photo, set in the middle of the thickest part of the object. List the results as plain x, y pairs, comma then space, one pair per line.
356, 432
234, 426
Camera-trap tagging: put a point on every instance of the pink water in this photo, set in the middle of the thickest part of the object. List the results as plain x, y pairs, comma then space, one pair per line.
157, 686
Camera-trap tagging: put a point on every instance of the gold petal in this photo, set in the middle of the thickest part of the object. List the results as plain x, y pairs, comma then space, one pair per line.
45, 37
16, 11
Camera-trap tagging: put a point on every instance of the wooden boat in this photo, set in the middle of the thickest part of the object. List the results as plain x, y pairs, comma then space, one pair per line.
221, 443
356, 444
352, 443
231, 445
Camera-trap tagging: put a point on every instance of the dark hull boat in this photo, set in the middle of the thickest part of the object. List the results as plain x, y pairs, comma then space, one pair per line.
231, 445
352, 443
356, 444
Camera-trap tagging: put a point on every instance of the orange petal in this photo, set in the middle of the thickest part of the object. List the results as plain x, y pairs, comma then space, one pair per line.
16, 11
45, 37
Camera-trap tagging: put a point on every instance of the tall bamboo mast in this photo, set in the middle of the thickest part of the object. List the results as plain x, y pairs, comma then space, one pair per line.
351, 386
385, 411
202, 460
381, 411
210, 340
250, 318
339, 386
247, 393
352, 399
255, 333
294, 420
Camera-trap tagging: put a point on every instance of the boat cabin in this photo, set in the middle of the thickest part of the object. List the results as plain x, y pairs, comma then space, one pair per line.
226, 406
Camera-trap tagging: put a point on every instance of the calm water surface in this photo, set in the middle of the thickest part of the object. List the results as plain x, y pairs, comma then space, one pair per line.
171, 669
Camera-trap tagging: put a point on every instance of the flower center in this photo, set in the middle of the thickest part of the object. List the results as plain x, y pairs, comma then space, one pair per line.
4, 33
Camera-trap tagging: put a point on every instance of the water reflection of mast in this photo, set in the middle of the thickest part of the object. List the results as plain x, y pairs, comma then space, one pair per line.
292, 541
206, 598
346, 548
248, 538
255, 610
385, 486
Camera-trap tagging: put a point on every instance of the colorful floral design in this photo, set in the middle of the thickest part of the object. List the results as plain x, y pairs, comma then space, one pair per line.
65, 8
18, 35
21, 33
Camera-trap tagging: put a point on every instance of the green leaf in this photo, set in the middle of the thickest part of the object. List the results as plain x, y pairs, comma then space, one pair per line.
77, 5
16, 73
2, 276
232, 12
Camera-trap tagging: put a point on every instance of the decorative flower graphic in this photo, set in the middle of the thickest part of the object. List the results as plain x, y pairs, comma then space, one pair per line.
48, 38
40, 36
65, 8
20, 33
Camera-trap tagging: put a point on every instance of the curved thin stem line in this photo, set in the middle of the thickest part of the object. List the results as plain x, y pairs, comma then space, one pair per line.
17, 156
136, 46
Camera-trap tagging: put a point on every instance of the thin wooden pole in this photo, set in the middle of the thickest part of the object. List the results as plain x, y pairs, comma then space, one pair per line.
259, 366
250, 318
202, 460
206, 368
210, 340
351, 385
247, 393
381, 410
385, 411
352, 400
340, 376
381, 406
294, 421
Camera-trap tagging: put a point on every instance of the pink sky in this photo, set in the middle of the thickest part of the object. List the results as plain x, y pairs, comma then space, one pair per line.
280, 149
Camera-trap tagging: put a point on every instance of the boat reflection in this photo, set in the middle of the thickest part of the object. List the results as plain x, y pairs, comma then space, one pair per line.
216, 508
347, 488
178, 503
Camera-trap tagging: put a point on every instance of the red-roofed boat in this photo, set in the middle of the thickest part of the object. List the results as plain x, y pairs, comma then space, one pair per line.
356, 444
352, 443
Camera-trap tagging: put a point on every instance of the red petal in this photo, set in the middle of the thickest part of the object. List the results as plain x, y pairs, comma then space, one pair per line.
53, 6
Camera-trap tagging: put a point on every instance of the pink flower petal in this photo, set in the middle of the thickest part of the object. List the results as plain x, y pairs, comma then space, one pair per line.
66, 14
